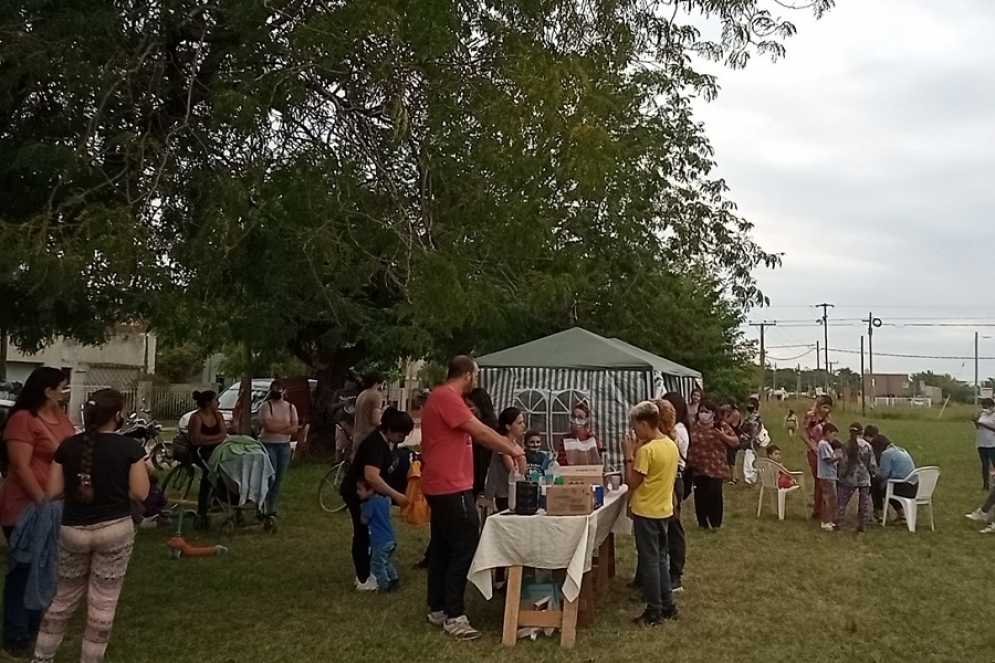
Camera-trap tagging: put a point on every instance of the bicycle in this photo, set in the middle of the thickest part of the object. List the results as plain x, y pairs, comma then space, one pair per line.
329, 489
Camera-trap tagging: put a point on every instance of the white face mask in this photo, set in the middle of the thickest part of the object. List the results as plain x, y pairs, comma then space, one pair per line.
706, 417
579, 423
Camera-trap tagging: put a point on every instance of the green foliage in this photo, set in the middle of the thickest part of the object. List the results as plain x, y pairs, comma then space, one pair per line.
179, 362
954, 389
370, 180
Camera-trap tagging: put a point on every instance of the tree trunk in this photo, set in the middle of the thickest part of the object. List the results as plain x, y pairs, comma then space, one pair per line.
245, 391
3, 354
330, 370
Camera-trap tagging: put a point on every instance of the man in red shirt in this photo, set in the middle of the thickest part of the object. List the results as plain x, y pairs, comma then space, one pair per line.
448, 428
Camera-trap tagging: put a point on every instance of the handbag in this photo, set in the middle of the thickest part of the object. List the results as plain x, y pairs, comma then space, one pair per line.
182, 449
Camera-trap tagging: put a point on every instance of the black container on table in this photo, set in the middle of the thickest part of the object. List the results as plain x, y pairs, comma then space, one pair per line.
526, 498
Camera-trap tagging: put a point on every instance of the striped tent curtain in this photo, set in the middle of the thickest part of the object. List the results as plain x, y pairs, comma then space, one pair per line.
547, 395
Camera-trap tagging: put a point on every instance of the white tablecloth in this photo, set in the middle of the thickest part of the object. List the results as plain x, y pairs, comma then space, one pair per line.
545, 542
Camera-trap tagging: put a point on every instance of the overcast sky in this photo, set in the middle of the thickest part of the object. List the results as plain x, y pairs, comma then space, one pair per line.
867, 157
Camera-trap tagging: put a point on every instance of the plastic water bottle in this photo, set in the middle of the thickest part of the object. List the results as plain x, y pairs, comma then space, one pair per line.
552, 471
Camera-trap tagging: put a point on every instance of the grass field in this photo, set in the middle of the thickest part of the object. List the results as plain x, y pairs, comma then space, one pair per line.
757, 591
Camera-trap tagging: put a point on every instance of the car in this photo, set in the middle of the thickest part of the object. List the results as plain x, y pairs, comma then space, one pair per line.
229, 397
5, 407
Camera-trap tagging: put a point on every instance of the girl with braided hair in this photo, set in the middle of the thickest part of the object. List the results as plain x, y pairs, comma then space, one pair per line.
99, 473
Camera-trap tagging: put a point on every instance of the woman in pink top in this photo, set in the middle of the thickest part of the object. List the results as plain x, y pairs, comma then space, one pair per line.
811, 434
36, 427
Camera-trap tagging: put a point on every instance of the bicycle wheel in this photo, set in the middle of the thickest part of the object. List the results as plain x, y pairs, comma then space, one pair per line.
178, 484
162, 456
329, 496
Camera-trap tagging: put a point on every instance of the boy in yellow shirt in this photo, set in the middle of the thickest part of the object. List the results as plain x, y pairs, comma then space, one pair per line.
651, 469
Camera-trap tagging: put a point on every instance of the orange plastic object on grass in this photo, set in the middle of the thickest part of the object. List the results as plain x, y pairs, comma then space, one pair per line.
417, 511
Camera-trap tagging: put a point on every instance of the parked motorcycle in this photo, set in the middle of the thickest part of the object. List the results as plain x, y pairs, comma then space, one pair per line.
146, 430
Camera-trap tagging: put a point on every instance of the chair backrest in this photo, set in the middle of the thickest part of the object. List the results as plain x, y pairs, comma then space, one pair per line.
769, 472
926, 477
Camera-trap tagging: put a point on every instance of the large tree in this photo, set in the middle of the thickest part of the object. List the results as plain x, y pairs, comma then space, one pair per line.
374, 179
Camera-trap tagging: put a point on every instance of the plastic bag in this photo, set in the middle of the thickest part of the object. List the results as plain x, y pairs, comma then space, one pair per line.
417, 511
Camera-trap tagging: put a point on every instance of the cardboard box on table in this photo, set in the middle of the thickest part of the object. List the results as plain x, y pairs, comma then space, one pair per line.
588, 475
569, 500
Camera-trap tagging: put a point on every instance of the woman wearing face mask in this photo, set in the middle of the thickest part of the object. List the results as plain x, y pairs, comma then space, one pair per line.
811, 434
99, 473
36, 427
582, 431
278, 418
707, 458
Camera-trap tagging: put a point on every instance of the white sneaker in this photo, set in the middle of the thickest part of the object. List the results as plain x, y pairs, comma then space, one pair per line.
989, 530
437, 618
829, 527
977, 515
461, 629
369, 586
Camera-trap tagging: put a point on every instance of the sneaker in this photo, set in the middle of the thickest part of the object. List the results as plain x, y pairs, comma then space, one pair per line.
422, 564
669, 615
649, 618
829, 527
977, 515
369, 586
676, 587
393, 585
460, 628
437, 618
989, 530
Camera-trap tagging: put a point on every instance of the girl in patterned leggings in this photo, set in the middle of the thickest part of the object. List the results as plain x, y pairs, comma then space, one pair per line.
99, 473
855, 469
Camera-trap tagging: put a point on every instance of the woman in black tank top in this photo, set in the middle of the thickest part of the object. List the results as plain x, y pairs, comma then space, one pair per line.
206, 438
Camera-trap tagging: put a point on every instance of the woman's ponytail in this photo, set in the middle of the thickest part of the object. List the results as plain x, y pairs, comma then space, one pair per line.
101, 408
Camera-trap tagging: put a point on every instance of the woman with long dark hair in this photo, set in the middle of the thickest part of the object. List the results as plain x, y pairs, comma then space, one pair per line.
373, 464
483, 408
511, 424
675, 530
811, 434
279, 421
207, 431
36, 427
99, 473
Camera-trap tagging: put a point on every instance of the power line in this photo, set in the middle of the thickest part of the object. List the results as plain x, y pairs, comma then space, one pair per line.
804, 354
906, 356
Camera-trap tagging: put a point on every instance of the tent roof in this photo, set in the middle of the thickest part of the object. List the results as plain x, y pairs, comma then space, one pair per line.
580, 349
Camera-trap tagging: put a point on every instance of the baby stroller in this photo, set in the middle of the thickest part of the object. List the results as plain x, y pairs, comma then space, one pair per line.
240, 472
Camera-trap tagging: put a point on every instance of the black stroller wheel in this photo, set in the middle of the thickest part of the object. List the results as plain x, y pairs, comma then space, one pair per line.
227, 527
269, 524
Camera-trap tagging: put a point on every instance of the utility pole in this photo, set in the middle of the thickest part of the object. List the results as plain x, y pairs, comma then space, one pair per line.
872, 324
977, 393
798, 375
774, 375
824, 321
761, 395
863, 378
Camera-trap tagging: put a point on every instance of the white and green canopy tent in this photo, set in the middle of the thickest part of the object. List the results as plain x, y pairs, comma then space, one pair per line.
548, 377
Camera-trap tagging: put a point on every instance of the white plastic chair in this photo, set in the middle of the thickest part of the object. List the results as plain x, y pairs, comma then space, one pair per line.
769, 471
926, 478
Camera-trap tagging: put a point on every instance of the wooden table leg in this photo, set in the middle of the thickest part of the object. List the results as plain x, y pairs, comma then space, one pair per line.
611, 555
512, 604
602, 568
568, 634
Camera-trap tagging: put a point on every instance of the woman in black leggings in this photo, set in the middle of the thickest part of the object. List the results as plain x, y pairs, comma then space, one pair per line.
707, 459
373, 463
